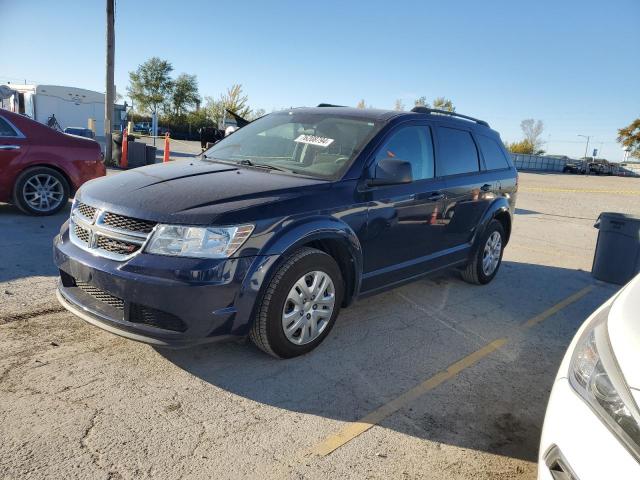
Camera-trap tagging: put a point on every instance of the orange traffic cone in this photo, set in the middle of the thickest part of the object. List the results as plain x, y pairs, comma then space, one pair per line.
166, 148
124, 161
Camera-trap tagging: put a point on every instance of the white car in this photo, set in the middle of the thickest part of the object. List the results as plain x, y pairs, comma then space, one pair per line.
592, 425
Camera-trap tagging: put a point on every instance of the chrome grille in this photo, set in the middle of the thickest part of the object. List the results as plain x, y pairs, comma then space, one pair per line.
87, 211
82, 233
127, 223
107, 234
101, 295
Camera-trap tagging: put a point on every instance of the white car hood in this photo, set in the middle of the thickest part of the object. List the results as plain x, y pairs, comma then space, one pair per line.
623, 326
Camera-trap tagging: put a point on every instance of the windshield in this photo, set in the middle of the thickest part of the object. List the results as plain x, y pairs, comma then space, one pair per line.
312, 144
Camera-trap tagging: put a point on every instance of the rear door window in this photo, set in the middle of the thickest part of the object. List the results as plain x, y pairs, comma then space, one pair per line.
457, 152
494, 157
6, 130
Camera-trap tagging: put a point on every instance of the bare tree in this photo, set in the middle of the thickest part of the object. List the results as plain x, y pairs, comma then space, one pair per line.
421, 102
234, 99
399, 106
442, 103
532, 130
361, 104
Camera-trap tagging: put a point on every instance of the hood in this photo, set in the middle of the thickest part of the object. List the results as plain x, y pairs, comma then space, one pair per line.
192, 191
623, 326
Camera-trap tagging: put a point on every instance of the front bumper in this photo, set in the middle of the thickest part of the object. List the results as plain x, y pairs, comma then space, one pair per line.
161, 300
588, 447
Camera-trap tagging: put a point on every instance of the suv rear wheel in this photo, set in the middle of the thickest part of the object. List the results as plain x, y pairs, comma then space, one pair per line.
487, 259
300, 305
40, 191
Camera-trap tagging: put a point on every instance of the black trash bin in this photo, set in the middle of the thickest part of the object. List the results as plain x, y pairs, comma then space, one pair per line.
116, 148
617, 255
136, 154
150, 155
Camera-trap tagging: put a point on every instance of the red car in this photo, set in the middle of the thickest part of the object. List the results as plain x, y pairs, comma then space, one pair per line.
40, 168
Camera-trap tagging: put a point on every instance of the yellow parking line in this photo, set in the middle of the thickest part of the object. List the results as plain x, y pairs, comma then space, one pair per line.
557, 307
579, 190
354, 429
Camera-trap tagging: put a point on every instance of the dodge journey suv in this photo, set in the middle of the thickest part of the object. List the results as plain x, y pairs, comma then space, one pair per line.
282, 223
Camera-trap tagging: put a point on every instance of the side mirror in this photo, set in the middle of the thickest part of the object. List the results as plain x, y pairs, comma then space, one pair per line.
391, 171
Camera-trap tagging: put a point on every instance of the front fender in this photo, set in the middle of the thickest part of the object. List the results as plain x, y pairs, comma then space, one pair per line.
297, 233
321, 228
294, 234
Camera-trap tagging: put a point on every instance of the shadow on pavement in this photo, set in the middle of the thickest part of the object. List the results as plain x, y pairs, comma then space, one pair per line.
390, 343
26, 243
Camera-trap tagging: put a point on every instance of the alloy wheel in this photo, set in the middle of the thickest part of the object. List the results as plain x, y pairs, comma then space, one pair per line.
491, 254
43, 192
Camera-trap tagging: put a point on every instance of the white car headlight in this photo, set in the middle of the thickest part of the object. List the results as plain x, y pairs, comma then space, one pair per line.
198, 242
594, 374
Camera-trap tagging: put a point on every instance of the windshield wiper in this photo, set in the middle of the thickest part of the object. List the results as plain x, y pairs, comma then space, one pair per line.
246, 161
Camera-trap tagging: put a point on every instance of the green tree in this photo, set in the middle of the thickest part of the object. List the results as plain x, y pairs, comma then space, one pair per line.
184, 94
442, 103
151, 85
523, 147
629, 137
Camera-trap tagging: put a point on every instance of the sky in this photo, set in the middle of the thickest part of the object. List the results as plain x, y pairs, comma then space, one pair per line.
572, 64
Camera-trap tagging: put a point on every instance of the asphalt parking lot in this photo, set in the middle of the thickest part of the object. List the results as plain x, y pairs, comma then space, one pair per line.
437, 379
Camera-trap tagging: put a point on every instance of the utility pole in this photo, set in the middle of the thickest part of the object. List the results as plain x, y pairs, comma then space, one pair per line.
586, 148
108, 104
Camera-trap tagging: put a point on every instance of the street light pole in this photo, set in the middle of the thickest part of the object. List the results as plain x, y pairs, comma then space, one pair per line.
586, 148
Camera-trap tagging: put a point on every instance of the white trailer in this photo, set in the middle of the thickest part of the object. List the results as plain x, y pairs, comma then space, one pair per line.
72, 107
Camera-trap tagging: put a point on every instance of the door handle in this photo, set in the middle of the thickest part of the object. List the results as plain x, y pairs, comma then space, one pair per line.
9, 147
486, 187
436, 196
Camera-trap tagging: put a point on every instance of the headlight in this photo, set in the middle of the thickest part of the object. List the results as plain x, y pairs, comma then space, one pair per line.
199, 242
595, 376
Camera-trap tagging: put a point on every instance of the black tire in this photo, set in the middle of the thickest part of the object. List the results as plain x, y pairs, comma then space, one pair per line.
267, 332
473, 272
20, 200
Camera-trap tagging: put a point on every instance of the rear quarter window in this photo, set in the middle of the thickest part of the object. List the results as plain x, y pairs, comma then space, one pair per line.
494, 156
6, 130
457, 152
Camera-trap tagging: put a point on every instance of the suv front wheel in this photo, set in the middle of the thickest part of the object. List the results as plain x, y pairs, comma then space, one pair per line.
486, 261
299, 306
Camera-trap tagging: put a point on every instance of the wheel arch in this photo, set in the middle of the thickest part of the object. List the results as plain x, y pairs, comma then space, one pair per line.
56, 168
499, 210
331, 236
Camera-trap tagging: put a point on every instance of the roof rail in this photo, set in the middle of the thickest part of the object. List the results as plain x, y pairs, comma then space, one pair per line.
427, 110
328, 105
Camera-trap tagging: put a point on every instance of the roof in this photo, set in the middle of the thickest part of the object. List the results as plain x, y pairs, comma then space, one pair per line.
364, 113
376, 114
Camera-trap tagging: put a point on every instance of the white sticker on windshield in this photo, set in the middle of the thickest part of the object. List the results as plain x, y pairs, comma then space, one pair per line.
314, 140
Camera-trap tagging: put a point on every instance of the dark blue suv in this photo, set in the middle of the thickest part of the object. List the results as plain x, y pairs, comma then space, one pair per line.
276, 227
